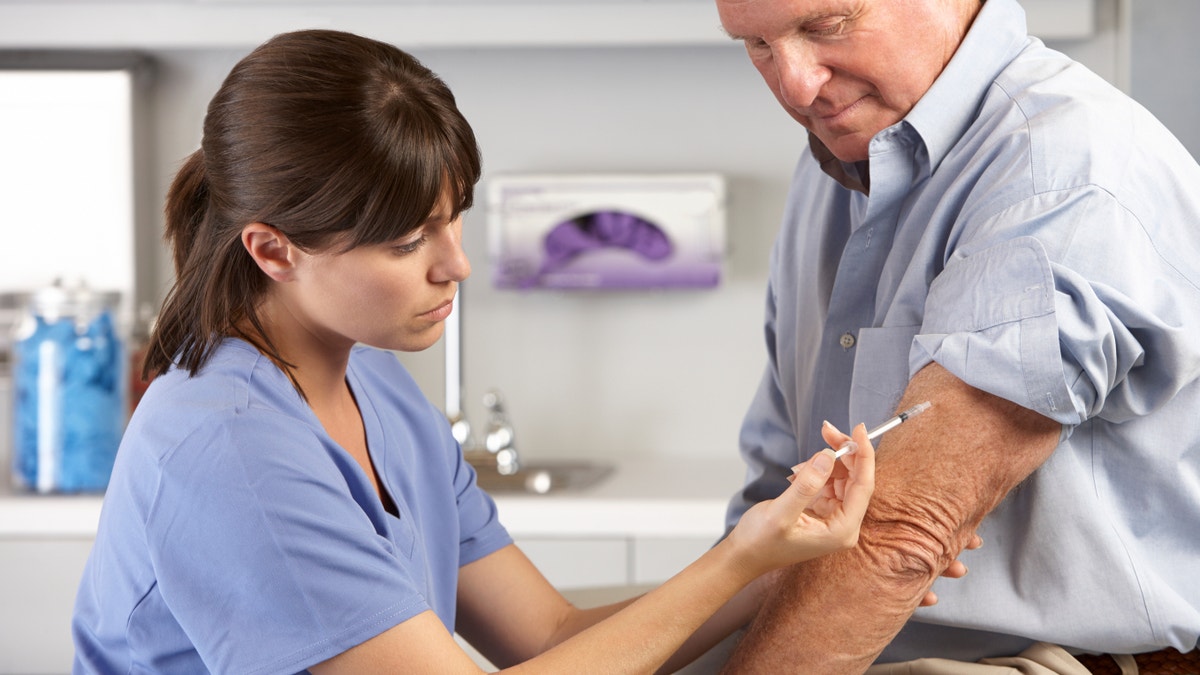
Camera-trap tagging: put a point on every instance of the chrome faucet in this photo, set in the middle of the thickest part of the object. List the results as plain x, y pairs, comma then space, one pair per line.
498, 452
498, 440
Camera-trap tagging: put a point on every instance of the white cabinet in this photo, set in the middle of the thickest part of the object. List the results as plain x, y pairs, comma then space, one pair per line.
657, 559
571, 562
38, 578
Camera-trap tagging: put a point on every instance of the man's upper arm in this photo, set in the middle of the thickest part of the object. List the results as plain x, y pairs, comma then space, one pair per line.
941, 473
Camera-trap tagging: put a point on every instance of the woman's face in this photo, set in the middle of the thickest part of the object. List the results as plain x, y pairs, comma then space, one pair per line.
394, 295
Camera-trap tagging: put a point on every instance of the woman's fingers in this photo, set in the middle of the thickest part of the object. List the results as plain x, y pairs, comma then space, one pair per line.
808, 479
856, 492
832, 435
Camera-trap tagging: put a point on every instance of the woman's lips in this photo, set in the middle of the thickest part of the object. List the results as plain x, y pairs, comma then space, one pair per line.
439, 313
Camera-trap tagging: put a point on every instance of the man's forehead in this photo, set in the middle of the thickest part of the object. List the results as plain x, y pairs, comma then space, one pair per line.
795, 12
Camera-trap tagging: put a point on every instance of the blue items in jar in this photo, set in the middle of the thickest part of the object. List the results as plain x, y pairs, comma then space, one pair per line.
69, 384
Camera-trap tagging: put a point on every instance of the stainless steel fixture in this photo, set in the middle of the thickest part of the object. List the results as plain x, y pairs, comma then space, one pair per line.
498, 467
499, 439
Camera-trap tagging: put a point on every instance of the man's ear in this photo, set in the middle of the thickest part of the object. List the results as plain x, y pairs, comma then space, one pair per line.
271, 249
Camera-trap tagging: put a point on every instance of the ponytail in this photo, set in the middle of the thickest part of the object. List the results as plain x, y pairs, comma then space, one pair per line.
216, 281
187, 202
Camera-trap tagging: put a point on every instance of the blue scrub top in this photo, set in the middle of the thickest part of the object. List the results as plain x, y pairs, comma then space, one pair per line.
236, 536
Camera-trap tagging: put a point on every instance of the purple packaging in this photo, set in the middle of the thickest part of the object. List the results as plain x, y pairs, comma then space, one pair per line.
606, 231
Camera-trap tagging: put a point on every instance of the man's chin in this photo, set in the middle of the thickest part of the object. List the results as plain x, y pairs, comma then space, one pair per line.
848, 150
851, 147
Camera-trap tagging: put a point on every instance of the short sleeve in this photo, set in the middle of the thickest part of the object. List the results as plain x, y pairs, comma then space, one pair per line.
479, 523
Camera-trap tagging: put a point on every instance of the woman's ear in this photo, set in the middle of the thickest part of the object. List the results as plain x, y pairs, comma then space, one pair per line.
271, 249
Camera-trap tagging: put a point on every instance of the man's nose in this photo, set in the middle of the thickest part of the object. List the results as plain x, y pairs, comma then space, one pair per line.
801, 73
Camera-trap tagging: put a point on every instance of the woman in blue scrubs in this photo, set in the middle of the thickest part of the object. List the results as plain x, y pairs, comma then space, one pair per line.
284, 498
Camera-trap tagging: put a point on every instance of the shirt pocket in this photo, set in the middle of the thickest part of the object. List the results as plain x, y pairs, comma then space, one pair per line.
880, 372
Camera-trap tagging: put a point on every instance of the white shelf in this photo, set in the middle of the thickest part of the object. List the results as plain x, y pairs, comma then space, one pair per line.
240, 24
26, 516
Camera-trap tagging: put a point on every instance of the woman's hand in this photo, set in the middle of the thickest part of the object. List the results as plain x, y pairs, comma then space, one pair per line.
818, 514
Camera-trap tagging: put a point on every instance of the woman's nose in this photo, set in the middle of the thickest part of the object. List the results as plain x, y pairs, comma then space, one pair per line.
451, 263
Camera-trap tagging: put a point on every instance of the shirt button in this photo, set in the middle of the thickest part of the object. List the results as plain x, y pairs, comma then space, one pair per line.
847, 341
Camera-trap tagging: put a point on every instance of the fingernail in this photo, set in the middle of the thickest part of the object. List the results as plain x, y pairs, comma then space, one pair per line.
825, 423
849, 448
823, 462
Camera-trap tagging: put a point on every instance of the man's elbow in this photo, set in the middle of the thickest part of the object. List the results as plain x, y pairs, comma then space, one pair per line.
908, 548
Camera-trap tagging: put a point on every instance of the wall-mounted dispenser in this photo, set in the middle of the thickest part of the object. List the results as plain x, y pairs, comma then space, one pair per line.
592, 231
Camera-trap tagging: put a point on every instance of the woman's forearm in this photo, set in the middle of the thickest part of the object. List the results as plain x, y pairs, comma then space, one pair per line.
732, 616
644, 632
808, 520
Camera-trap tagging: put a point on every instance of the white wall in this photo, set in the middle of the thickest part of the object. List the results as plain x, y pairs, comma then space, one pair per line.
592, 373
1165, 55
601, 373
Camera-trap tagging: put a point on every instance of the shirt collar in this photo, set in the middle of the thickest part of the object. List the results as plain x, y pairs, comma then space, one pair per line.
943, 114
851, 175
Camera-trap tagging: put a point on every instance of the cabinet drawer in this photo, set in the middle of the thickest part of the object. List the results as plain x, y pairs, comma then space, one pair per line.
658, 559
579, 563
38, 580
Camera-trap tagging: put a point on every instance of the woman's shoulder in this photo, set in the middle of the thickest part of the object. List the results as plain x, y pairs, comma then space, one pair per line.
236, 385
235, 375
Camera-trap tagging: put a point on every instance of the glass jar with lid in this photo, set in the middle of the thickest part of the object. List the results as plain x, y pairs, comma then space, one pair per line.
69, 390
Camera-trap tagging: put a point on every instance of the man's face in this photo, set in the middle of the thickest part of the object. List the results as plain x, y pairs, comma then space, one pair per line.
846, 69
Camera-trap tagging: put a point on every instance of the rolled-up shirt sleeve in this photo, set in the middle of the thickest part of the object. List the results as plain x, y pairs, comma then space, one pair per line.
990, 319
1072, 328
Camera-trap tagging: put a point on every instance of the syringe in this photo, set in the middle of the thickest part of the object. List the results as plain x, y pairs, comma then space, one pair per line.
850, 446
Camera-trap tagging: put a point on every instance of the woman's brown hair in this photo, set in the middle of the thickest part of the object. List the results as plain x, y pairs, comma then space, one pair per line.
332, 138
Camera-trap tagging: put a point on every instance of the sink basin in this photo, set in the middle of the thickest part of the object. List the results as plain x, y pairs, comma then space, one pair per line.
542, 477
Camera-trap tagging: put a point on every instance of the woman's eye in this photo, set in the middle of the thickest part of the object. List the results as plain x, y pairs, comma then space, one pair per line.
410, 247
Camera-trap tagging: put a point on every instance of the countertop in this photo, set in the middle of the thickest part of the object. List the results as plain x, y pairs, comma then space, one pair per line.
645, 497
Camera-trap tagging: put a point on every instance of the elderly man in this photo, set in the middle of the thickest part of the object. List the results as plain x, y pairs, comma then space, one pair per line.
984, 224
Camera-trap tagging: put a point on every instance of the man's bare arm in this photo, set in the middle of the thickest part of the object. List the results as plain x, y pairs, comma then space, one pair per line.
937, 477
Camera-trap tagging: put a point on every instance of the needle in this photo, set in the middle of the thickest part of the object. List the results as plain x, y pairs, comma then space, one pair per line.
892, 423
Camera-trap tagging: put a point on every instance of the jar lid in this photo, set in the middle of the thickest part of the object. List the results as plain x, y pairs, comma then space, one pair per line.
79, 301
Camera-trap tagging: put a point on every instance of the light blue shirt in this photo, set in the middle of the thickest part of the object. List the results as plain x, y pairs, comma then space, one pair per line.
238, 537
1036, 232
